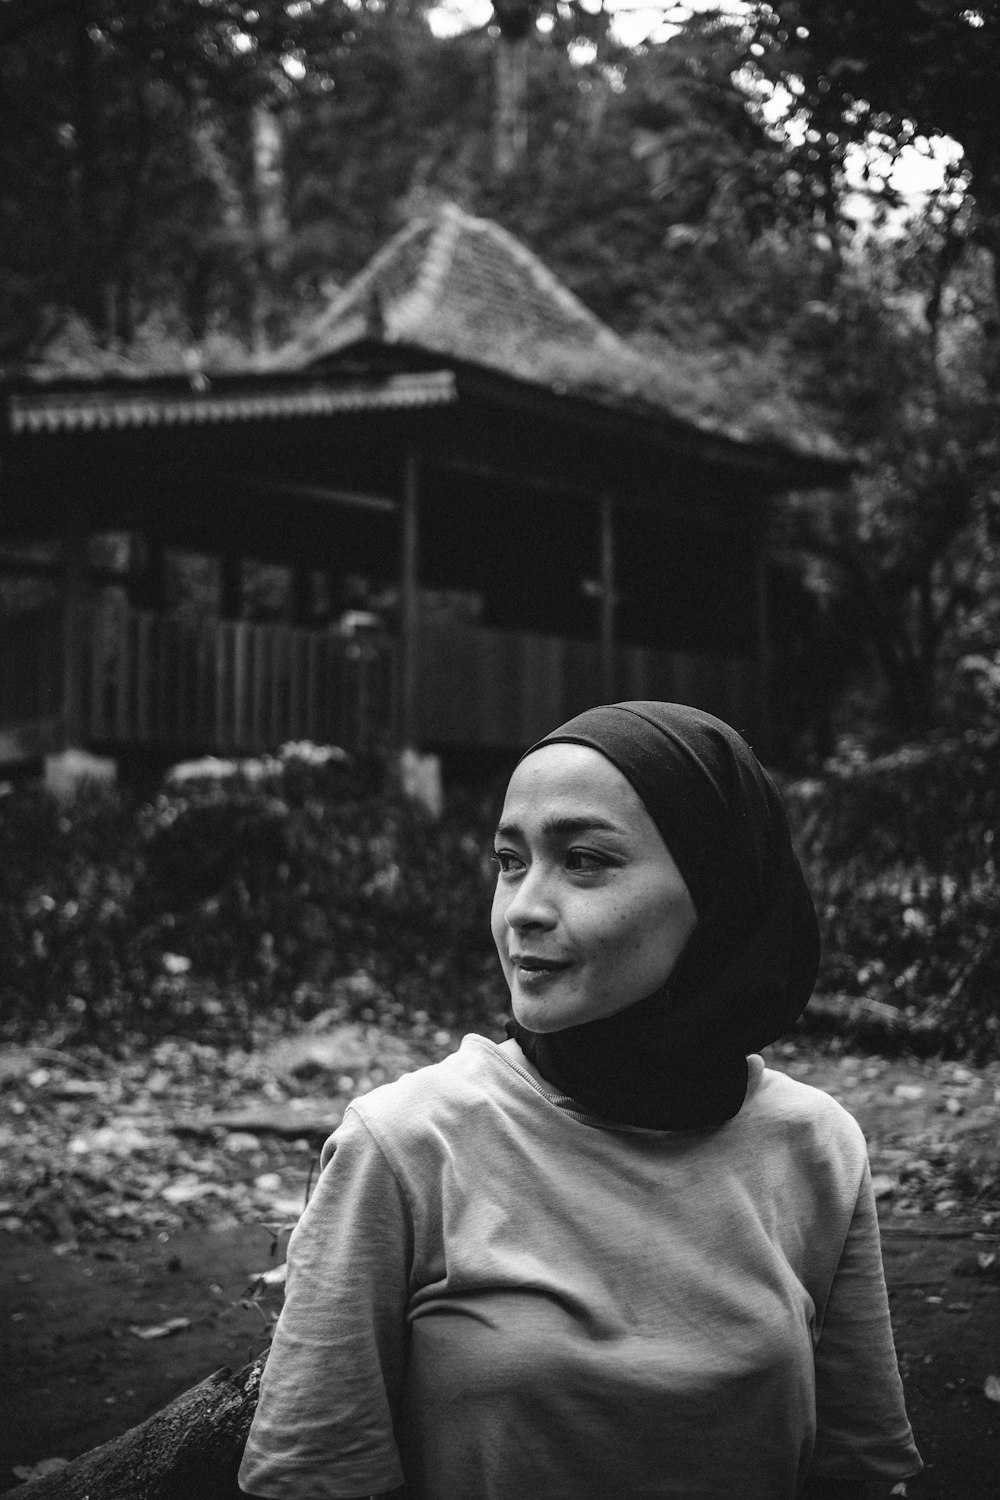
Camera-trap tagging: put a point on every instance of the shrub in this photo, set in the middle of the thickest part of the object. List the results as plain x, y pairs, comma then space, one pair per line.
221, 901
901, 856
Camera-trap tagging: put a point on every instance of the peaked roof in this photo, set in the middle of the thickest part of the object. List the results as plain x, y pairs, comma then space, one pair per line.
465, 288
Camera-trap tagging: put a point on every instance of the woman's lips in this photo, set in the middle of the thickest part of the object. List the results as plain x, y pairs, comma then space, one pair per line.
537, 971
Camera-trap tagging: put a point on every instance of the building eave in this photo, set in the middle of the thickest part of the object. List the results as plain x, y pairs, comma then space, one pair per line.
97, 406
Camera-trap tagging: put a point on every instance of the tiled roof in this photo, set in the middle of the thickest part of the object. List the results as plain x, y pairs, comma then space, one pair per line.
464, 287
147, 406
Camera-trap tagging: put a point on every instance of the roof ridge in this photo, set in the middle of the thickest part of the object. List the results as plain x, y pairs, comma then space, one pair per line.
347, 298
434, 268
550, 285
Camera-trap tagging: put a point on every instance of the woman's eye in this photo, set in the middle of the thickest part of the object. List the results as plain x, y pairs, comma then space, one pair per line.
584, 859
507, 860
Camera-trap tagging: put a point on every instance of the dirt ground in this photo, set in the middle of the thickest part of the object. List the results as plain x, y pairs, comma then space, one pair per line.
75, 1368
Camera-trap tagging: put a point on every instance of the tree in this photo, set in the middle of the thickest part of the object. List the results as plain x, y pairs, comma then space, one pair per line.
127, 152
895, 337
191, 1450
905, 566
900, 73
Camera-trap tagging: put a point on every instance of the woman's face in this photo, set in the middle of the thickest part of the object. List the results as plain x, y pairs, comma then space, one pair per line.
590, 912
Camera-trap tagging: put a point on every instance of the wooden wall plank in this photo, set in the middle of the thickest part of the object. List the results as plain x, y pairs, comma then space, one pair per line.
237, 687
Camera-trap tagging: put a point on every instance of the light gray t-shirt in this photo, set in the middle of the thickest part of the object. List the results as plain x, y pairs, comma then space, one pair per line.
497, 1296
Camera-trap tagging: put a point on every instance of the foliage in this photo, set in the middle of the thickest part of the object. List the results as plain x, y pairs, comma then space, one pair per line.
193, 188
219, 903
899, 73
143, 191
130, 148
903, 568
219, 900
901, 856
895, 334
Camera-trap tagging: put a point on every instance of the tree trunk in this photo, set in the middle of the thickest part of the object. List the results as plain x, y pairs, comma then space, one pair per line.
269, 212
511, 119
237, 215
269, 184
190, 1450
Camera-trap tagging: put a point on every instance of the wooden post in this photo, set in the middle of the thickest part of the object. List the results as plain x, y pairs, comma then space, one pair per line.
409, 604
74, 560
609, 600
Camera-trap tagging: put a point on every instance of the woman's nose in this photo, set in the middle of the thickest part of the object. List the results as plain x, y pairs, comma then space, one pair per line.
530, 905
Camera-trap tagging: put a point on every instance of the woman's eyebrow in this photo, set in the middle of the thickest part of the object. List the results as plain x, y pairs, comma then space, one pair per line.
567, 824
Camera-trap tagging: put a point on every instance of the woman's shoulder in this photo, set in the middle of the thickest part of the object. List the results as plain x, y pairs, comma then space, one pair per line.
454, 1089
788, 1101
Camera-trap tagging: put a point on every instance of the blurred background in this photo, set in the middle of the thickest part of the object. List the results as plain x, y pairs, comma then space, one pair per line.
402, 377
380, 383
788, 211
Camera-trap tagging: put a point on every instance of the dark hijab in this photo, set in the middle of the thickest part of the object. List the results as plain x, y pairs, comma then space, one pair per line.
677, 1059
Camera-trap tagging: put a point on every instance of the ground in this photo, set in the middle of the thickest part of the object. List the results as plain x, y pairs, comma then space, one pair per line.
143, 1197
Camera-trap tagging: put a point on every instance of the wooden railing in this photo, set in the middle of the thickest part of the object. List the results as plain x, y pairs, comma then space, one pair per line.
237, 687
509, 687
226, 686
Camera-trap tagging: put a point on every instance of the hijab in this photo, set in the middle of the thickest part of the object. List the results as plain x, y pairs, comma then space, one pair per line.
677, 1058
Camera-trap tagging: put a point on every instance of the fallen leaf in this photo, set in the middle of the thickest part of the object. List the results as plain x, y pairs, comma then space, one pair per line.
79, 1088
159, 1330
991, 1390
241, 1140
274, 1277
187, 1190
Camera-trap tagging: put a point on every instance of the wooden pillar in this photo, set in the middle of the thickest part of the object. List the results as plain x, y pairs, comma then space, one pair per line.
409, 604
74, 586
609, 601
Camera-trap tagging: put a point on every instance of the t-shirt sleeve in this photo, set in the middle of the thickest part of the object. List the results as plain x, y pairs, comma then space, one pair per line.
324, 1423
862, 1429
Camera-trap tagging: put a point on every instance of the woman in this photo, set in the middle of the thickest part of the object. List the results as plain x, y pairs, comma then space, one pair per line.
614, 1255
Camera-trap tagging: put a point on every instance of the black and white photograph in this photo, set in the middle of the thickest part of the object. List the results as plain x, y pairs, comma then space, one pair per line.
499, 750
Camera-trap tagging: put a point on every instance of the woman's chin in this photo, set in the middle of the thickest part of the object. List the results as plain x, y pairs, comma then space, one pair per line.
533, 1016
546, 1013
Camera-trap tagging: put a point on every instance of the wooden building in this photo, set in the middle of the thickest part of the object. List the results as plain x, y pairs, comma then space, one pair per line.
456, 436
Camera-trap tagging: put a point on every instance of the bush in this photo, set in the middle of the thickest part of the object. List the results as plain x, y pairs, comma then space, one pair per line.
220, 900
901, 856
